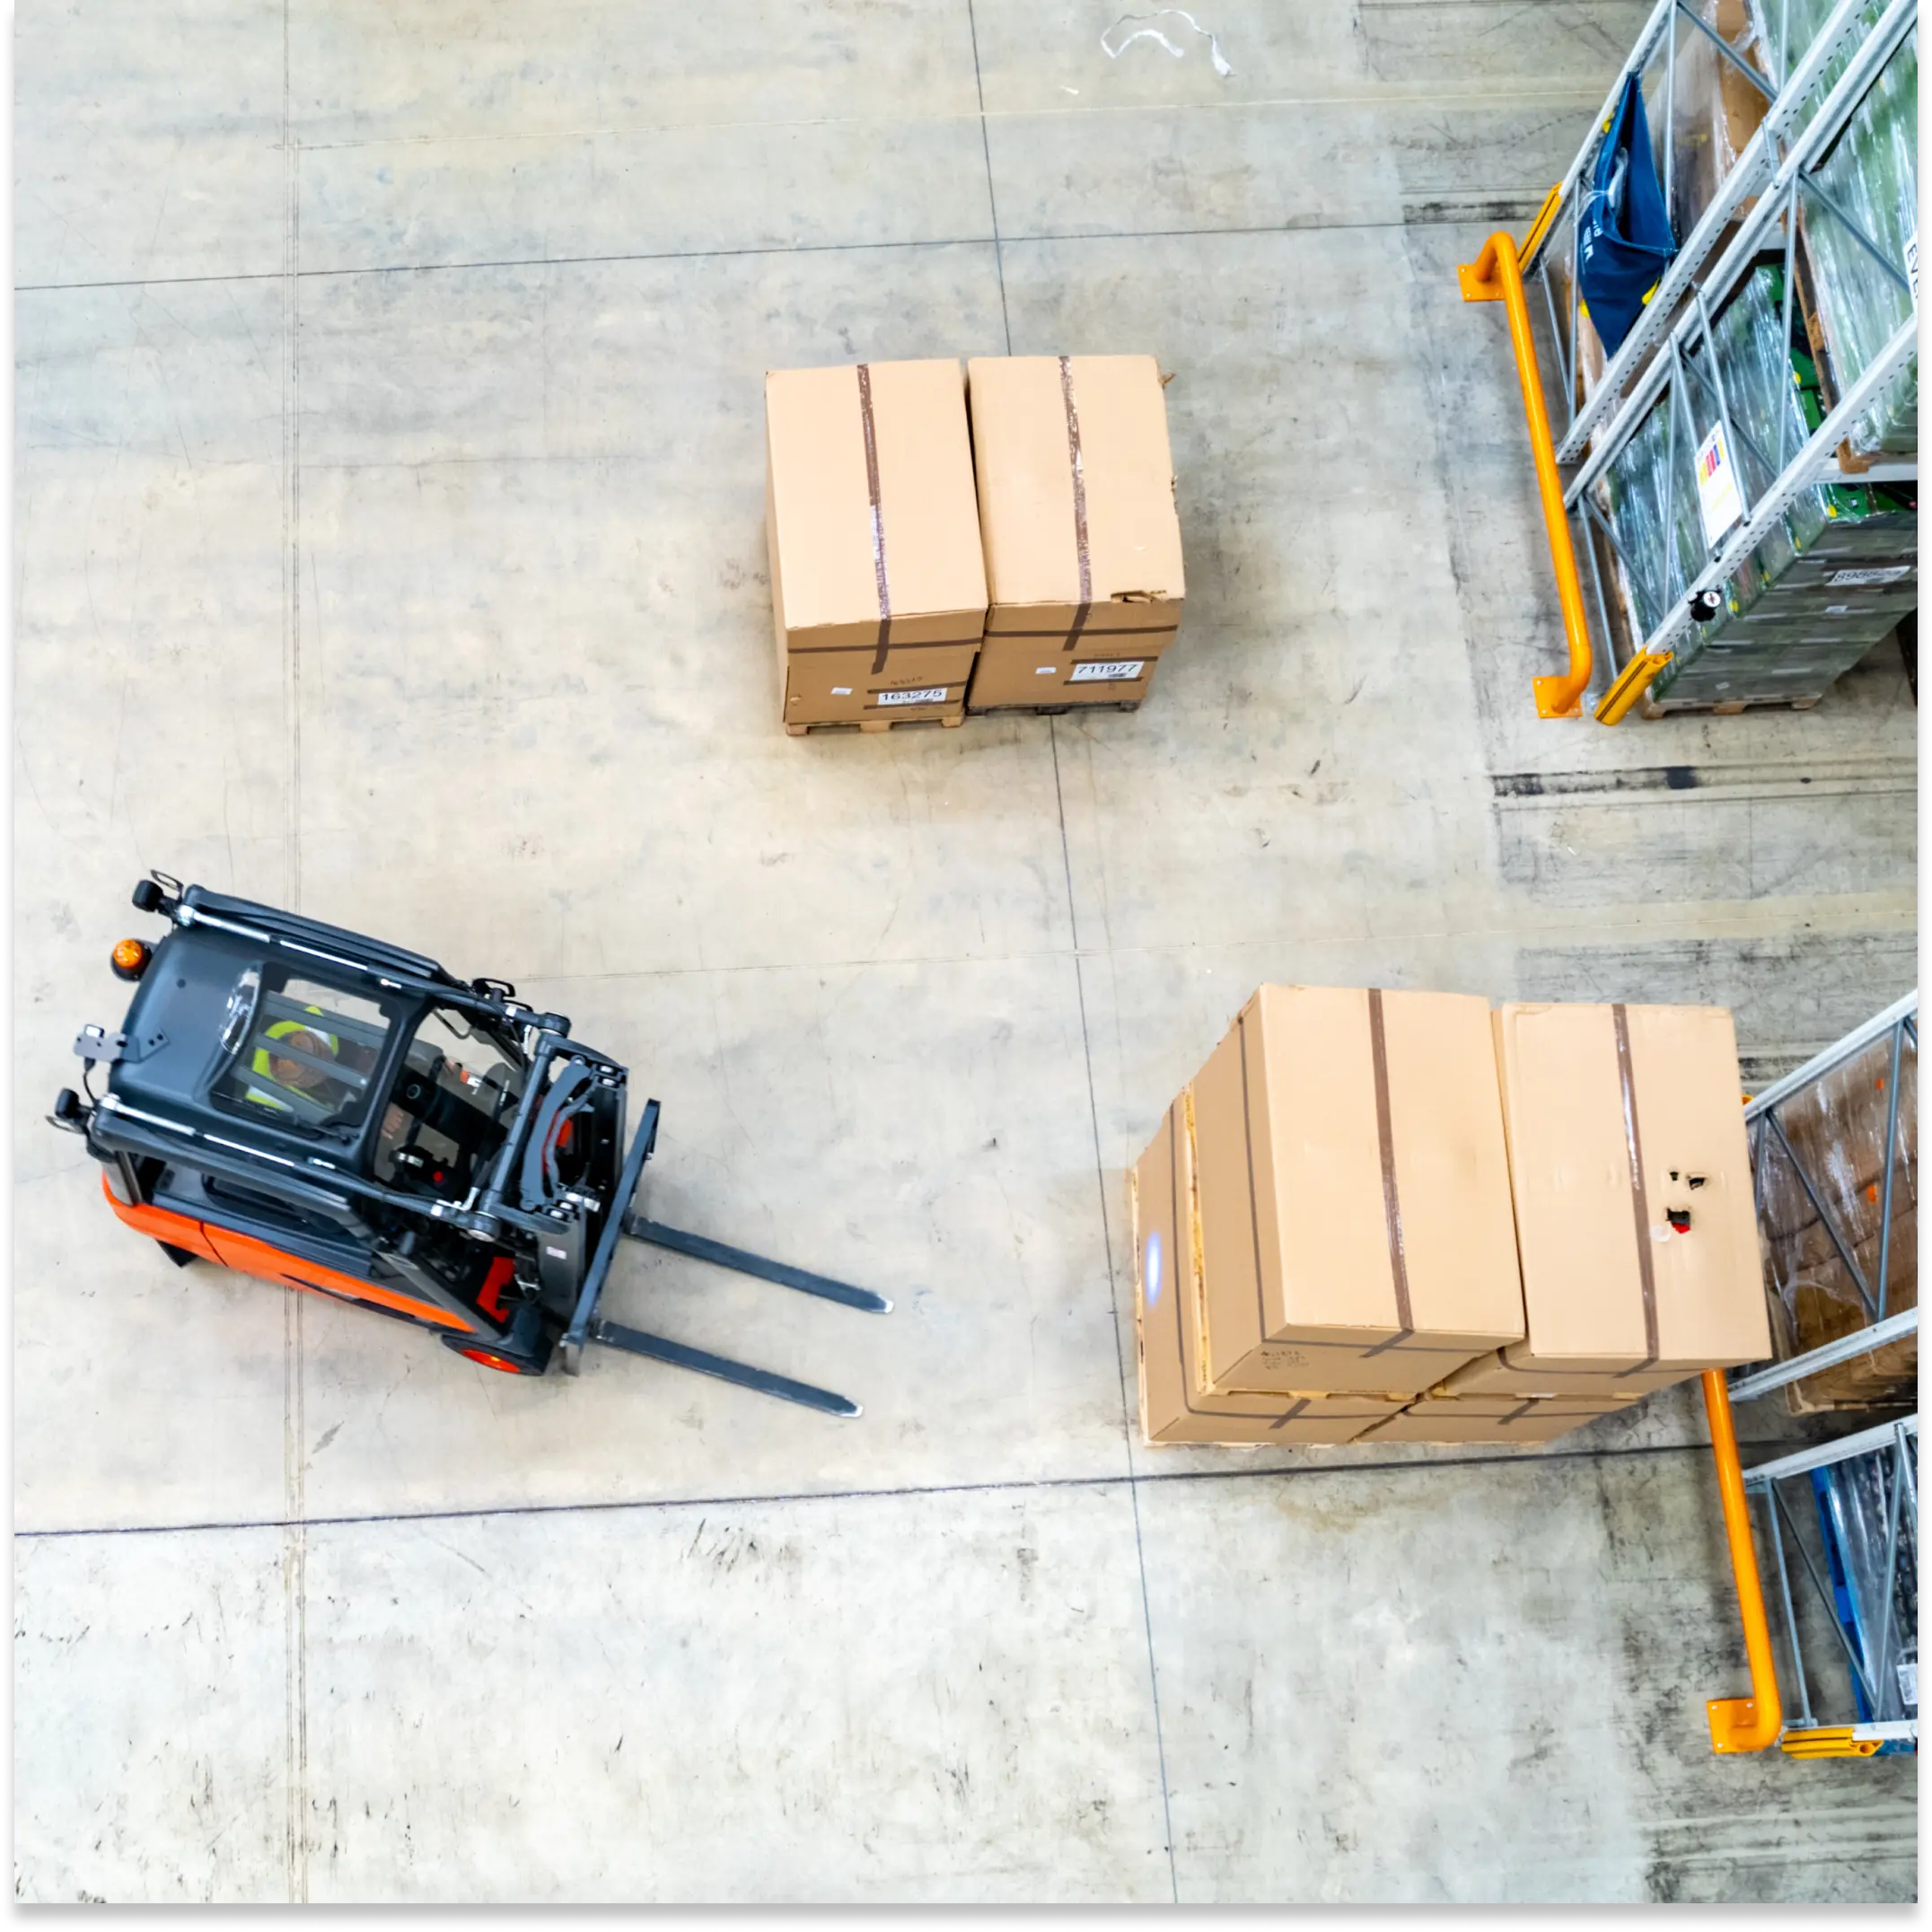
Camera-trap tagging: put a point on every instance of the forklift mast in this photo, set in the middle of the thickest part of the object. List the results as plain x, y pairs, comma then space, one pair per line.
346, 1117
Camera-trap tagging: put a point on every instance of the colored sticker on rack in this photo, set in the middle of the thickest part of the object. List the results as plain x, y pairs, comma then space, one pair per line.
1717, 495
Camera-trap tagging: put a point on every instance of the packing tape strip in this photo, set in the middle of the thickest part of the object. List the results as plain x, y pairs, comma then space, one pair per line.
1080, 515
1391, 1203
1162, 630
1639, 1197
1247, 1135
878, 516
898, 643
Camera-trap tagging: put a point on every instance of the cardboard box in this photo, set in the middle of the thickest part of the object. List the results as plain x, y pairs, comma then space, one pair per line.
1354, 1192
1167, 1310
1817, 1302
1037, 673
1623, 1121
878, 585
1082, 542
1716, 111
1507, 1421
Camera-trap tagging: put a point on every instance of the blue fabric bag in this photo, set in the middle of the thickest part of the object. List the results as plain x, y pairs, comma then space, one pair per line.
1625, 242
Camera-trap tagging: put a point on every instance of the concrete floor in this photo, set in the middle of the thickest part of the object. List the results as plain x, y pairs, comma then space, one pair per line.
389, 544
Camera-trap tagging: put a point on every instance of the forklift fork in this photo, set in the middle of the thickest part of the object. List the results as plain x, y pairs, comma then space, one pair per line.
588, 1326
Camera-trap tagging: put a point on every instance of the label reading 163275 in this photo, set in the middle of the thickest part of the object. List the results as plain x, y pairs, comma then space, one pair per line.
935, 694
1113, 671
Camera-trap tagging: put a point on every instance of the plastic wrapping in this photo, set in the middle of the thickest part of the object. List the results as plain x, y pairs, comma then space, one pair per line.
1871, 175
1836, 1127
1855, 1501
1831, 579
1714, 109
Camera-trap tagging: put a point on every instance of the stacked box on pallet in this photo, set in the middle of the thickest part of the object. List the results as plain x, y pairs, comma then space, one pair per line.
1835, 1129
1380, 1216
1176, 1403
1082, 540
1831, 580
878, 586
1632, 1181
1870, 173
1351, 1241
1716, 108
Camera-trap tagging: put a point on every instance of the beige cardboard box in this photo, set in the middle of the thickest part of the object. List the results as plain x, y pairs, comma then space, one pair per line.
1082, 542
1354, 1189
1167, 1311
1633, 1197
878, 585
1506, 1420
1037, 673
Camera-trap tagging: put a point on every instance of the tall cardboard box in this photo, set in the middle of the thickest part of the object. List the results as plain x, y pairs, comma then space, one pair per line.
1083, 544
1354, 1188
1635, 1216
1167, 1317
878, 586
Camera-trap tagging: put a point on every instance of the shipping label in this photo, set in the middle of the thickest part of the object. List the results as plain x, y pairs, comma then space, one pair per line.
1111, 670
1716, 486
935, 694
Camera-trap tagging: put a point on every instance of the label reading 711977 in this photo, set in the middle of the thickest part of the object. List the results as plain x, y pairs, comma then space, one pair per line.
1113, 671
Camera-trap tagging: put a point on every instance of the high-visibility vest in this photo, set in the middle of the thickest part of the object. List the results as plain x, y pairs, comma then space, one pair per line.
264, 1061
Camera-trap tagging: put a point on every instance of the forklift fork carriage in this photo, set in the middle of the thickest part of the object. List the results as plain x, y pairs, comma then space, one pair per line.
344, 1117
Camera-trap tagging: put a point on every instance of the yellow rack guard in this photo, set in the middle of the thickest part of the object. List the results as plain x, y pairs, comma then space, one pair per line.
1497, 275
1739, 1724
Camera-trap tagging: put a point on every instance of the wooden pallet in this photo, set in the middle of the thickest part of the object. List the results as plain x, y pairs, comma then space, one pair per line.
873, 724
1728, 708
1050, 711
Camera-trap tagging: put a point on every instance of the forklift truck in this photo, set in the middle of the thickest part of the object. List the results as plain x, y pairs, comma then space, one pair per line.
343, 1117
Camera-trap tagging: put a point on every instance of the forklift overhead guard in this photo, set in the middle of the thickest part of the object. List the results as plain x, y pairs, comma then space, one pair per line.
346, 1117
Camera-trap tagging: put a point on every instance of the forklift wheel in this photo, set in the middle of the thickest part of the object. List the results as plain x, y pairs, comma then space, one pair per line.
181, 1256
487, 1357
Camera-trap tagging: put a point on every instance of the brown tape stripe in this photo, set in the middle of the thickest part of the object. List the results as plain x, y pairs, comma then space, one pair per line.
878, 517
1247, 1135
1166, 630
1640, 1198
1080, 517
898, 643
1391, 1206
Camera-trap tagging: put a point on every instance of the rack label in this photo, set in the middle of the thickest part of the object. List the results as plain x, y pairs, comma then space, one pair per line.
935, 696
1908, 1682
1114, 671
1911, 266
1891, 574
1716, 486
